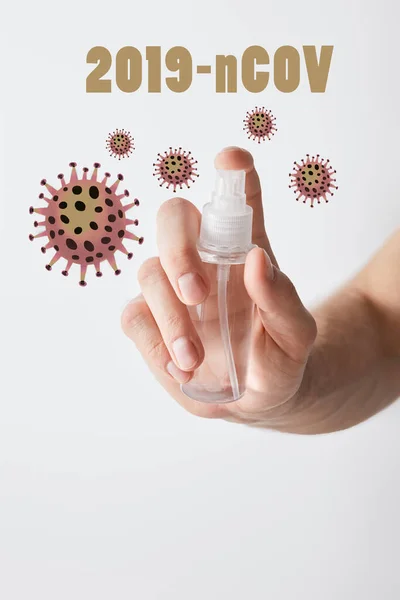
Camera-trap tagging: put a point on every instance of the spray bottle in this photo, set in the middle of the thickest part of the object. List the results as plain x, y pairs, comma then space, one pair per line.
224, 320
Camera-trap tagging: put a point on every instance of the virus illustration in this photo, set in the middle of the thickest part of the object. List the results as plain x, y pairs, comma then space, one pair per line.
120, 144
260, 124
175, 168
313, 179
85, 221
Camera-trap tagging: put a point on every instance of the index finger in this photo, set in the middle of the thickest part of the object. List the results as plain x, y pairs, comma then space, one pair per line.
234, 158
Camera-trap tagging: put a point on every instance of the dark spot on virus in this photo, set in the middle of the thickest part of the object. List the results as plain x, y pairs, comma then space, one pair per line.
71, 244
89, 246
81, 206
94, 192
64, 219
93, 225
77, 190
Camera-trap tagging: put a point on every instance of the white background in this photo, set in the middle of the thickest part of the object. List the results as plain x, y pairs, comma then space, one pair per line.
107, 489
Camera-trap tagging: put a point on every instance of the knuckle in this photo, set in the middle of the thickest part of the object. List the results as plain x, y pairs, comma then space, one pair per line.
156, 351
150, 271
181, 259
134, 318
304, 339
170, 206
173, 322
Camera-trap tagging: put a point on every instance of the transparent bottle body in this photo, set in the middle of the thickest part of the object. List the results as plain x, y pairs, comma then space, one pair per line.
223, 323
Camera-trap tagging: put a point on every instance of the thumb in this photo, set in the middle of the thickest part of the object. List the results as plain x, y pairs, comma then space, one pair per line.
282, 314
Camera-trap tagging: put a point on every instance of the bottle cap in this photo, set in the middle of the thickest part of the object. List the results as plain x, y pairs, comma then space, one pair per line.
227, 220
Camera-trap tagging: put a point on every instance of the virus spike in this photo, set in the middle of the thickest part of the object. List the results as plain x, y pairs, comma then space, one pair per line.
82, 282
43, 197
122, 249
97, 268
113, 265
38, 235
52, 190
39, 211
132, 236
131, 205
312, 180
67, 268
260, 124
96, 167
85, 222
116, 183
106, 176
175, 168
74, 175
61, 178
53, 261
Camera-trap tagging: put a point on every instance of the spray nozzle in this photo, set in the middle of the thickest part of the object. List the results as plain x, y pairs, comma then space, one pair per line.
229, 194
227, 219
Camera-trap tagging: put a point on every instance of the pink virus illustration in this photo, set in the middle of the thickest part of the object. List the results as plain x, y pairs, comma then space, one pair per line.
260, 124
120, 144
313, 179
175, 168
85, 221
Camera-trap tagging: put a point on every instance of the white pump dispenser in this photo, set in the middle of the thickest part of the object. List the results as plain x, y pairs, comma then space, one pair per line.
226, 223
223, 321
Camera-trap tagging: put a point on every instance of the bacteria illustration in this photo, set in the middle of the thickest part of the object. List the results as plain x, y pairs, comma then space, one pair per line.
120, 144
85, 221
175, 168
313, 179
260, 124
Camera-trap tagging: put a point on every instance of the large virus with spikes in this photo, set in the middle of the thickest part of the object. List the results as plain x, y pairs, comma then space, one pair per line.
313, 179
120, 144
85, 221
175, 168
260, 124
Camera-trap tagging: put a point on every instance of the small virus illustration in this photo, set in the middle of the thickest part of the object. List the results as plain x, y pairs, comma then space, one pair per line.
260, 124
120, 144
313, 179
85, 221
175, 168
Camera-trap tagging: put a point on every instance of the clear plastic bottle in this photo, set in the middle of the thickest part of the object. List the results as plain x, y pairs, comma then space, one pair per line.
224, 320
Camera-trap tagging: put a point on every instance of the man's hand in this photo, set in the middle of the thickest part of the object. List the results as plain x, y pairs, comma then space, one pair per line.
158, 321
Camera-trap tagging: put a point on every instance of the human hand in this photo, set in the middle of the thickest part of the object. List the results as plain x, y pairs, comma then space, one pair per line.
158, 320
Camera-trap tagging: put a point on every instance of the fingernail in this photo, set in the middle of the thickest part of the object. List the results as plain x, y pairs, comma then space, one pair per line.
270, 267
176, 373
192, 288
185, 353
